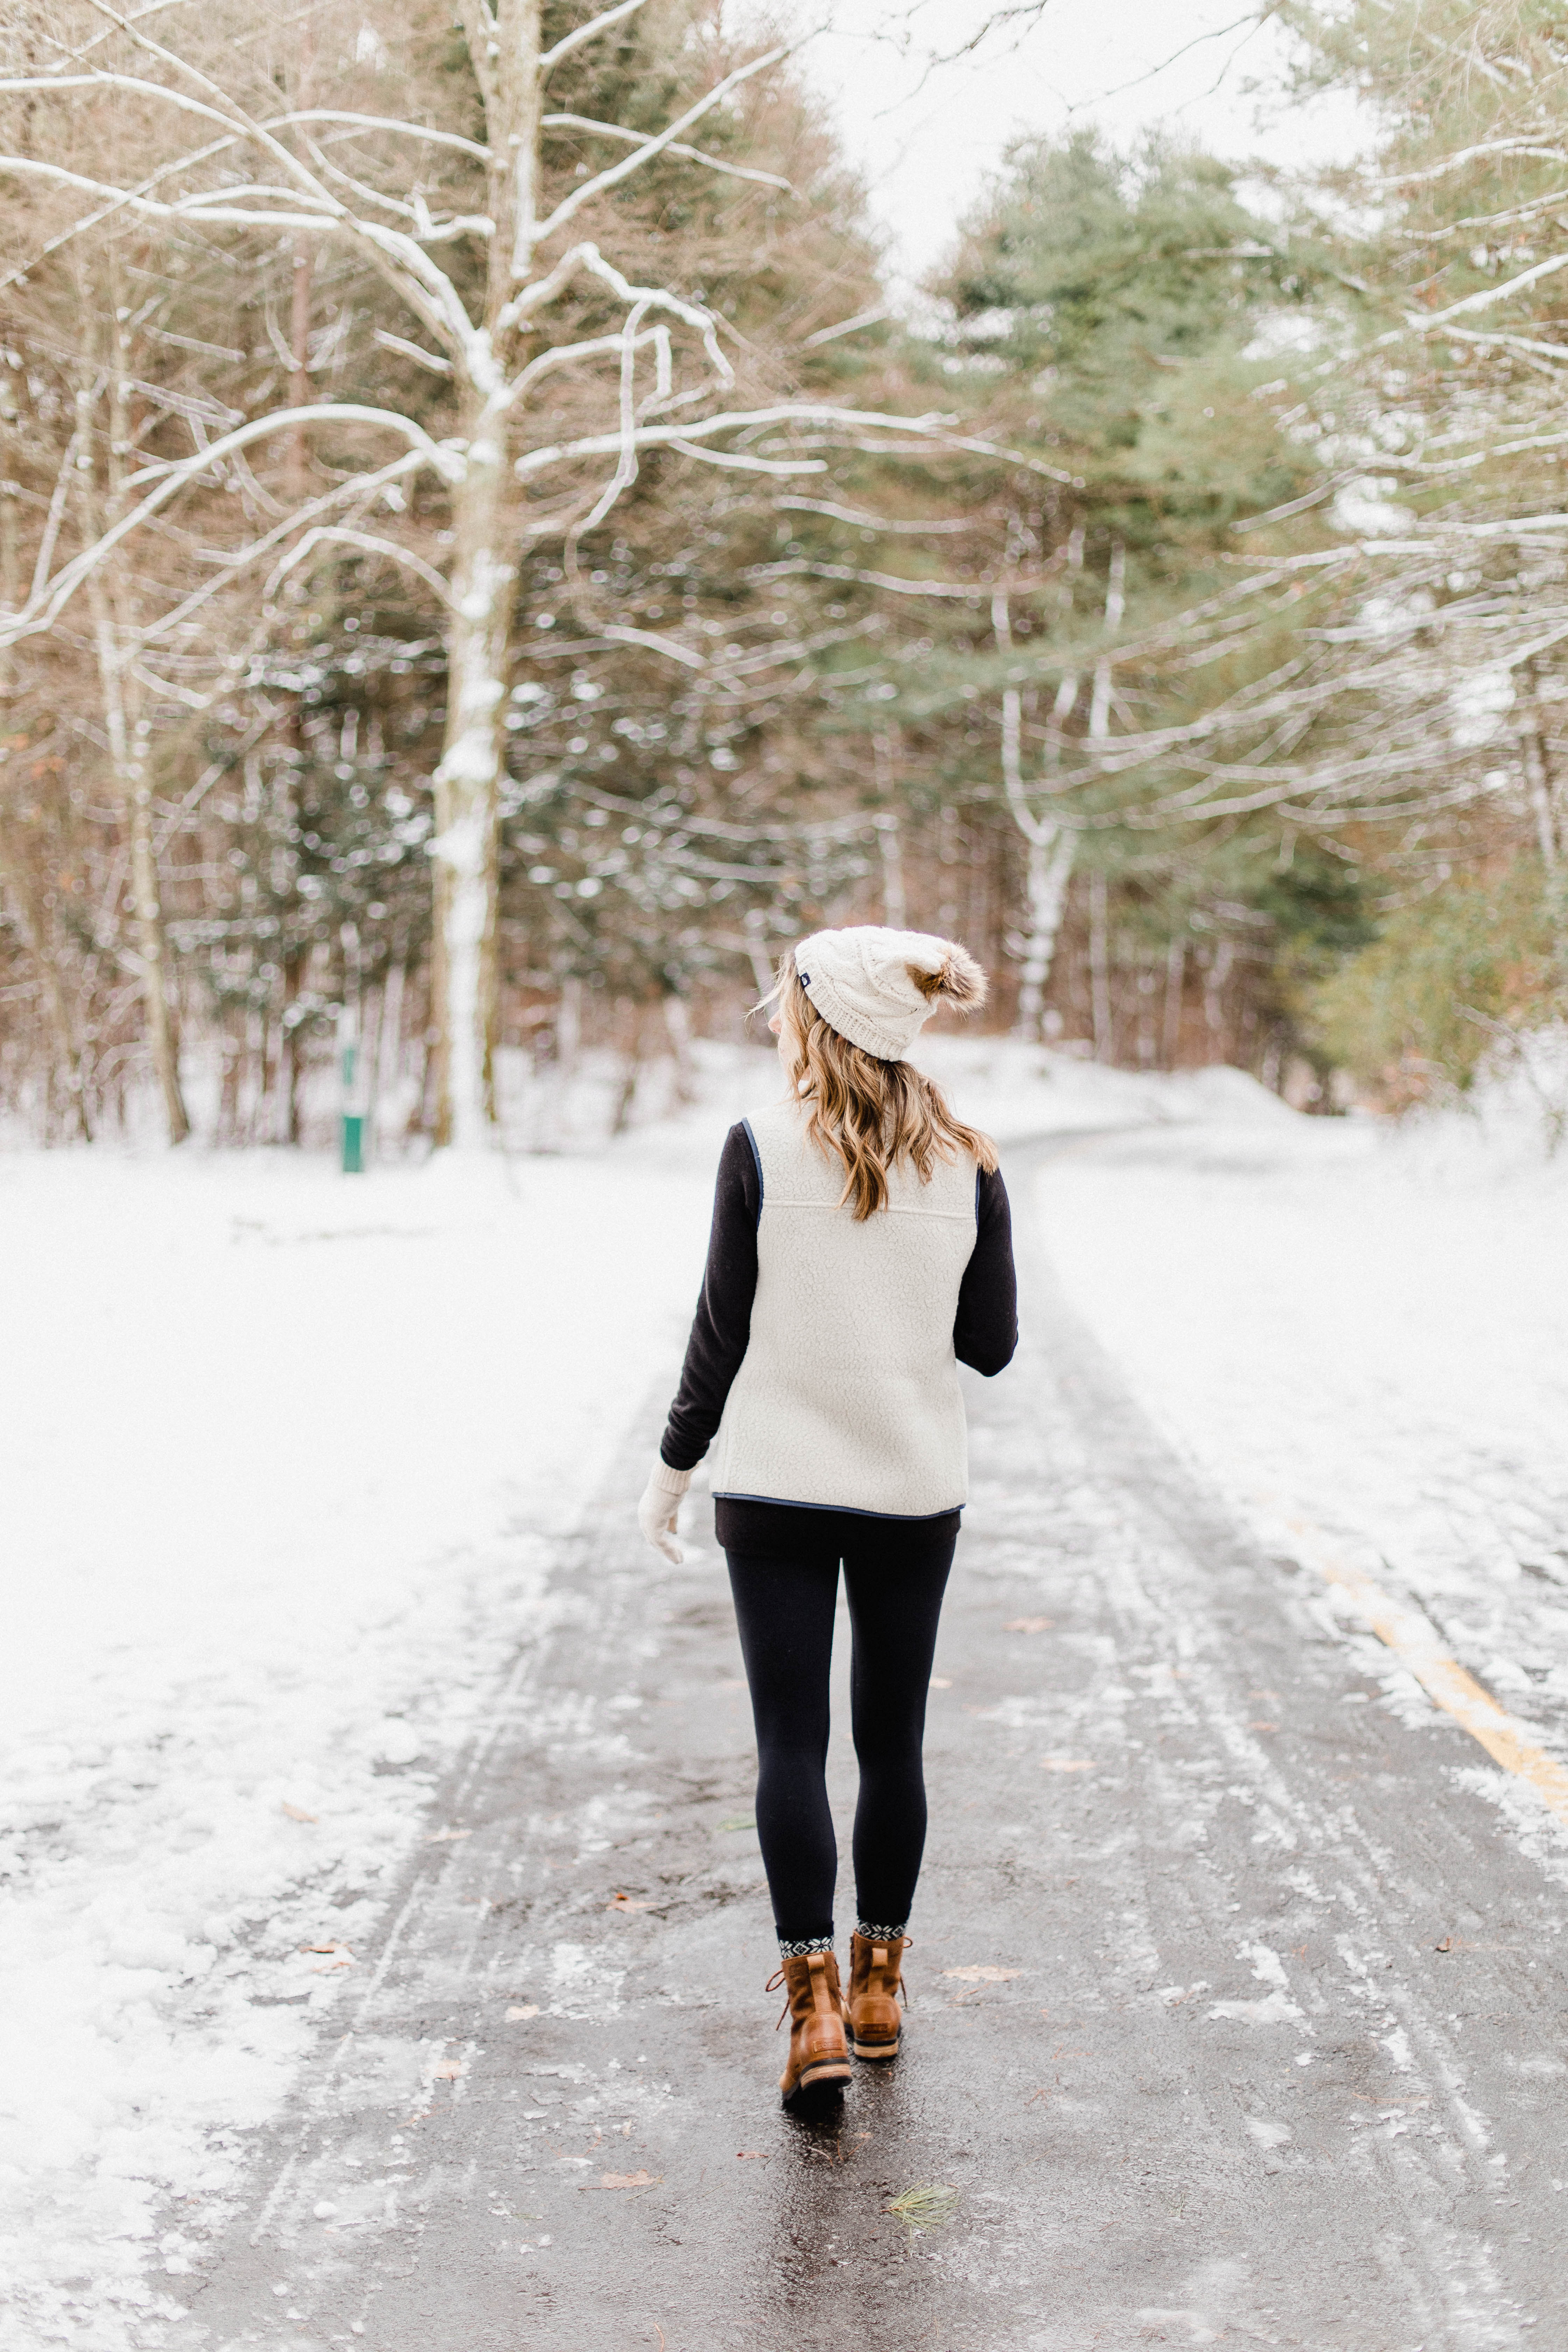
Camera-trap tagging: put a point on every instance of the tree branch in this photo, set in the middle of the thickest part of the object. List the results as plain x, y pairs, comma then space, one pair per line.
431, 359
741, 463
360, 489
37, 614
917, 428
340, 535
1456, 162
868, 522
1424, 322
621, 636
588, 257
588, 32
617, 171
414, 276
382, 122
693, 154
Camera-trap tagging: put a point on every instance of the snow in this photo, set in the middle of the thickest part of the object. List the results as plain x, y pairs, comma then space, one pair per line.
286, 1453
282, 1452
1357, 1335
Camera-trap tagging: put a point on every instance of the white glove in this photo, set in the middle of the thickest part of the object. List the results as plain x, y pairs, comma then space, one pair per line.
660, 1507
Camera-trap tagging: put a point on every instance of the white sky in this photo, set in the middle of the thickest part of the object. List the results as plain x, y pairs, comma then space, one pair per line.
925, 136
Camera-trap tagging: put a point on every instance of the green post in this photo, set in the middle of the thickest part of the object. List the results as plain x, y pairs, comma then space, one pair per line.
352, 1095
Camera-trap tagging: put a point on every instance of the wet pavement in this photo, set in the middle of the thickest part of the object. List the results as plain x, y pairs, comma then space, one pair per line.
1239, 2013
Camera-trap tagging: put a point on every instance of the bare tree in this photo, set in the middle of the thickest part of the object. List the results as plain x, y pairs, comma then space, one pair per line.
484, 256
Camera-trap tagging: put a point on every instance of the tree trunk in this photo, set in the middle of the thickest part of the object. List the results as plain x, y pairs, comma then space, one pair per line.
677, 1020
32, 919
889, 834
1542, 784
1175, 973
631, 1071
505, 52
466, 792
388, 1068
895, 908
1099, 967
286, 1103
1214, 988
1051, 854
129, 731
162, 1036
1052, 847
1099, 728
37, 931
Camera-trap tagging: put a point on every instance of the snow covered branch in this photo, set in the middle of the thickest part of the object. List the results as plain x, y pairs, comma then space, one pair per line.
591, 31
570, 206
673, 147
49, 599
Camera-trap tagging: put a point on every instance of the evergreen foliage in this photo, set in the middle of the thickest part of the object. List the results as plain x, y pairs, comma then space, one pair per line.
1447, 981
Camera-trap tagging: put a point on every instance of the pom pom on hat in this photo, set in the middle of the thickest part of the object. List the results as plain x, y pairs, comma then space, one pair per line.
878, 987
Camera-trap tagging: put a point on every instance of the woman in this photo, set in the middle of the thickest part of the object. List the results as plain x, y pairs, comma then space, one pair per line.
861, 1244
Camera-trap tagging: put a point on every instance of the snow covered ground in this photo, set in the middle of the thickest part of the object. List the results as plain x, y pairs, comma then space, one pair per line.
283, 1454
1359, 1336
280, 1453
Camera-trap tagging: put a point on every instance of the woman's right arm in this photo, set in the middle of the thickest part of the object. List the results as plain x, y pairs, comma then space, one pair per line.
722, 1327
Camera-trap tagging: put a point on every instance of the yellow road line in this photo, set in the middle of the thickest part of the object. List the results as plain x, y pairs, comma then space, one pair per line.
1413, 1641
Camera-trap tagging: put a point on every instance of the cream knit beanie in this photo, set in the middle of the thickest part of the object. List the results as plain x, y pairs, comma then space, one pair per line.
879, 988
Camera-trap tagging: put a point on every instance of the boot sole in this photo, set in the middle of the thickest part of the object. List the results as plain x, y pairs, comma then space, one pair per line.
876, 2054
818, 2084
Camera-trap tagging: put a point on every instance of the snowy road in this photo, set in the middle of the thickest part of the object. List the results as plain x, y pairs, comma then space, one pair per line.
1238, 2010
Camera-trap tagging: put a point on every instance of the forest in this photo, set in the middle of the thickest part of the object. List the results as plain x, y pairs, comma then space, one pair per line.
485, 564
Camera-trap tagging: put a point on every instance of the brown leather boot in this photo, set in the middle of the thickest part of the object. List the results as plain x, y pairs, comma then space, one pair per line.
875, 1980
818, 2054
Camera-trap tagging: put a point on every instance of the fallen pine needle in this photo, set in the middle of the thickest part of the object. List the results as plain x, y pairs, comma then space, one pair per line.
923, 2209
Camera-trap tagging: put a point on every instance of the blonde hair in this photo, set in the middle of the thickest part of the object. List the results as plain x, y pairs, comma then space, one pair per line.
873, 1114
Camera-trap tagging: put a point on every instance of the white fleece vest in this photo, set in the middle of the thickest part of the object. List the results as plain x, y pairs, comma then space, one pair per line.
848, 1395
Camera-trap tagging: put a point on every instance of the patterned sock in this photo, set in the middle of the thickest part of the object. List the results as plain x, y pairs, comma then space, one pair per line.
874, 1934
798, 1950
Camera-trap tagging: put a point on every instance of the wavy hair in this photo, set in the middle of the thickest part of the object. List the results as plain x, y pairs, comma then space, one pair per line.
868, 1113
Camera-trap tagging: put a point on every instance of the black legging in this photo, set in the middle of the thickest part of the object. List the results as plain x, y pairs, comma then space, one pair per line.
783, 1572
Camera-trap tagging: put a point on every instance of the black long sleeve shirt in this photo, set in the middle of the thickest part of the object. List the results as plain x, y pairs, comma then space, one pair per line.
985, 1330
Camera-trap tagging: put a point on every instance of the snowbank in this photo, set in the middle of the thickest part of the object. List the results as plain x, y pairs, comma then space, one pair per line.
1357, 1333
1014, 1090
280, 1450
